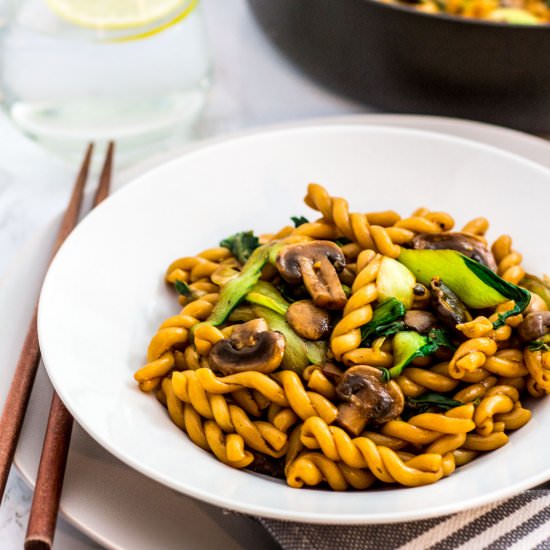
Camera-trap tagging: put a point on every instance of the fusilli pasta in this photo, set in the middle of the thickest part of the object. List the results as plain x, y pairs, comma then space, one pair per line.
353, 350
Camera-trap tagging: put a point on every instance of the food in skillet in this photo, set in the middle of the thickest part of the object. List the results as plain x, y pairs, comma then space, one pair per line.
354, 350
518, 12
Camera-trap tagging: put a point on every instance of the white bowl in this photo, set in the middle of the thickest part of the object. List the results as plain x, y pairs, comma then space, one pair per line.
104, 296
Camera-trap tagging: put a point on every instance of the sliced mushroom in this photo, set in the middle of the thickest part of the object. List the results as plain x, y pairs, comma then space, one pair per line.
308, 320
470, 245
448, 307
536, 304
535, 325
267, 466
420, 320
251, 347
313, 262
367, 399
332, 372
347, 276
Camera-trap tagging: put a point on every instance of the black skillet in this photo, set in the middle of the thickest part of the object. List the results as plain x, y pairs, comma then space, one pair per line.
402, 60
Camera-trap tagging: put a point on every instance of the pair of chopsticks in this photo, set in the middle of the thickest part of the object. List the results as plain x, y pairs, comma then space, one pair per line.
49, 482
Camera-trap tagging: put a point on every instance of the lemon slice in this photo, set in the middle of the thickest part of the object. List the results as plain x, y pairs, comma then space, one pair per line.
116, 14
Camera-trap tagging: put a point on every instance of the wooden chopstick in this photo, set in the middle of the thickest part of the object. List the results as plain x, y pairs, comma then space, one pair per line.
49, 481
23, 377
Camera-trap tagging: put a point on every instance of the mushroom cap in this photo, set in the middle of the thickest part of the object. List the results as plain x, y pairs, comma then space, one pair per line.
308, 320
536, 304
447, 306
313, 262
367, 399
289, 264
470, 245
246, 333
251, 347
420, 320
535, 325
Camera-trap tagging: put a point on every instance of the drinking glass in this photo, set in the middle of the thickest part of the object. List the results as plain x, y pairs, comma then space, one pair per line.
72, 71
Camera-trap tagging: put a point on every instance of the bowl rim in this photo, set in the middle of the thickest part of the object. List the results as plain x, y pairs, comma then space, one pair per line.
266, 511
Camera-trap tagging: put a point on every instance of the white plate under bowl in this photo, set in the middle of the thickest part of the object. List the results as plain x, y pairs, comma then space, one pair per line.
104, 296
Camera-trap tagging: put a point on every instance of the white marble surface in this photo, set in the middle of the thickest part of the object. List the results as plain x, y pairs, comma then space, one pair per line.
253, 86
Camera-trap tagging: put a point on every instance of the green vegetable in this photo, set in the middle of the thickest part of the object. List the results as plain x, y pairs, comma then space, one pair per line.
408, 345
182, 288
476, 285
538, 345
538, 286
236, 289
298, 220
241, 245
265, 294
385, 321
316, 351
299, 353
274, 250
542, 344
431, 400
394, 280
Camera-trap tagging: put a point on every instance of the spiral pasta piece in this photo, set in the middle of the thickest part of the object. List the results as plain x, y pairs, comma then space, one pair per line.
506, 362
205, 336
318, 382
516, 418
283, 418
262, 383
193, 268
488, 408
173, 332
228, 449
258, 435
476, 328
346, 335
477, 226
249, 402
313, 469
538, 365
471, 355
376, 355
424, 221
302, 402
463, 456
361, 453
447, 443
415, 381
508, 260
415, 435
355, 227
484, 443
534, 389
475, 391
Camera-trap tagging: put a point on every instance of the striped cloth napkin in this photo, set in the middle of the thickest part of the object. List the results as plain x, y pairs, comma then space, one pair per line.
521, 522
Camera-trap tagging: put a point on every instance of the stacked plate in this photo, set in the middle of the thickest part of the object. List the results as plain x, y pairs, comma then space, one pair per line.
103, 298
